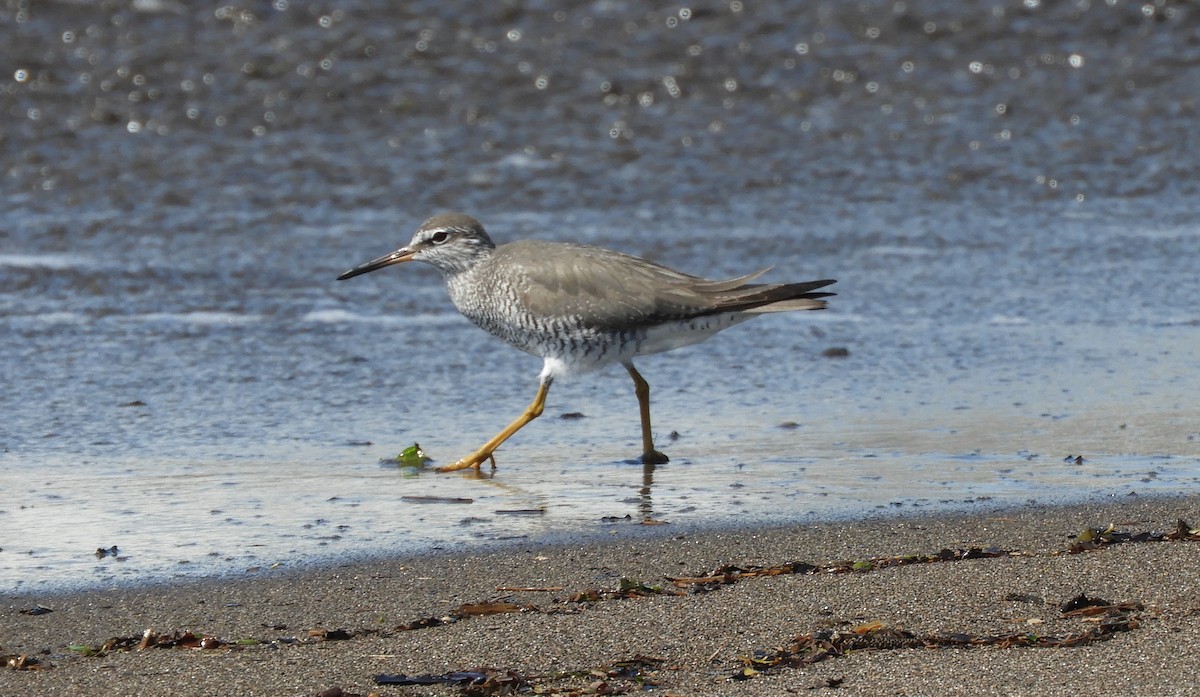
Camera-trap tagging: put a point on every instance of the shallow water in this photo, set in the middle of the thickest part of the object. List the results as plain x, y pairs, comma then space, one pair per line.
1003, 192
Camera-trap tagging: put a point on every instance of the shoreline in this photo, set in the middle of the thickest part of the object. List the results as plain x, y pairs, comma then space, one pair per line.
571, 615
603, 531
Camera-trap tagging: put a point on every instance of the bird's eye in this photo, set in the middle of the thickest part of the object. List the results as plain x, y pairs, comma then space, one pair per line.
440, 236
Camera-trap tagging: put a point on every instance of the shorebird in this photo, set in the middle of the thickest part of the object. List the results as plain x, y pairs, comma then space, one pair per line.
581, 308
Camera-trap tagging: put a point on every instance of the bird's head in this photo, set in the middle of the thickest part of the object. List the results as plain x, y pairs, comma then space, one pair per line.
450, 242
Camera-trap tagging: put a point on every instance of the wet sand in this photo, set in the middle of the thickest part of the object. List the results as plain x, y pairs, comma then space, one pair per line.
338, 628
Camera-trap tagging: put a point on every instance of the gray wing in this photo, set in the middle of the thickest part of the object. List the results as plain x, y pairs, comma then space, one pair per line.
611, 290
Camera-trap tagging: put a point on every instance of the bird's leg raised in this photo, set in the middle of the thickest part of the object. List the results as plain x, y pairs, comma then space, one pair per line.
484, 452
641, 388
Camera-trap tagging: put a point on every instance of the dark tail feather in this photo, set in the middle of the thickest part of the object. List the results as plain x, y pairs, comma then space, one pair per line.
782, 297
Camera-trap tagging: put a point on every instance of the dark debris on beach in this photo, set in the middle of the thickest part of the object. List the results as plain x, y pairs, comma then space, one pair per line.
1099, 619
806, 649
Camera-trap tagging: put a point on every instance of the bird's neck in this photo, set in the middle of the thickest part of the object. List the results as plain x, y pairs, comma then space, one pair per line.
464, 263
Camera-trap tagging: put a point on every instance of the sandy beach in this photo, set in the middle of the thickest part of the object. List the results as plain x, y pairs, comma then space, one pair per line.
893, 601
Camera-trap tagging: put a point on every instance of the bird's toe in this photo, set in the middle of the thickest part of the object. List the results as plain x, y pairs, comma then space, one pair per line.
473, 460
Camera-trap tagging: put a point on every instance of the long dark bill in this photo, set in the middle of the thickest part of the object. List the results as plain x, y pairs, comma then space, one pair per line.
397, 257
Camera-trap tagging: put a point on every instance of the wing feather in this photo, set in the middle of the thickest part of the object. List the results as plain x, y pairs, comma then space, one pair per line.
609, 290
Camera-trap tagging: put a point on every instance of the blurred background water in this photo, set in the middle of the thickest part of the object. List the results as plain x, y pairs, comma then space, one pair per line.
1004, 190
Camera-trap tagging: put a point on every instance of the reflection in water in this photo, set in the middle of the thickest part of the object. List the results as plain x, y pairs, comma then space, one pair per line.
646, 505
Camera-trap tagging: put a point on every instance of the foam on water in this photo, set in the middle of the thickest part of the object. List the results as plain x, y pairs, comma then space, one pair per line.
344, 316
54, 262
197, 317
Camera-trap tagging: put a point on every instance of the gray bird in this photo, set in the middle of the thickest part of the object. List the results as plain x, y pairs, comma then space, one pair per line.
581, 308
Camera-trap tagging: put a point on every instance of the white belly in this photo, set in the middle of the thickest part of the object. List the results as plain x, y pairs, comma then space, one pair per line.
595, 353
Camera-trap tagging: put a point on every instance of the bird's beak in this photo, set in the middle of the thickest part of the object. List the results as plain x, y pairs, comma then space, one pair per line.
397, 257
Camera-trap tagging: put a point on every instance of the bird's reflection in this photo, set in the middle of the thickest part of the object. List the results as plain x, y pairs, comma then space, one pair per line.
645, 500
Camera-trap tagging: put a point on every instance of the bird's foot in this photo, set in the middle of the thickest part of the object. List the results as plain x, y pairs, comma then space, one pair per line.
653, 457
475, 459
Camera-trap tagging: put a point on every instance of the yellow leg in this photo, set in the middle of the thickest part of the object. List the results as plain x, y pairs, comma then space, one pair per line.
641, 388
484, 452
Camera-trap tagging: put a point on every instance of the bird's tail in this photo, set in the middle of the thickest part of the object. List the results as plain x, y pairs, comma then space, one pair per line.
780, 297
